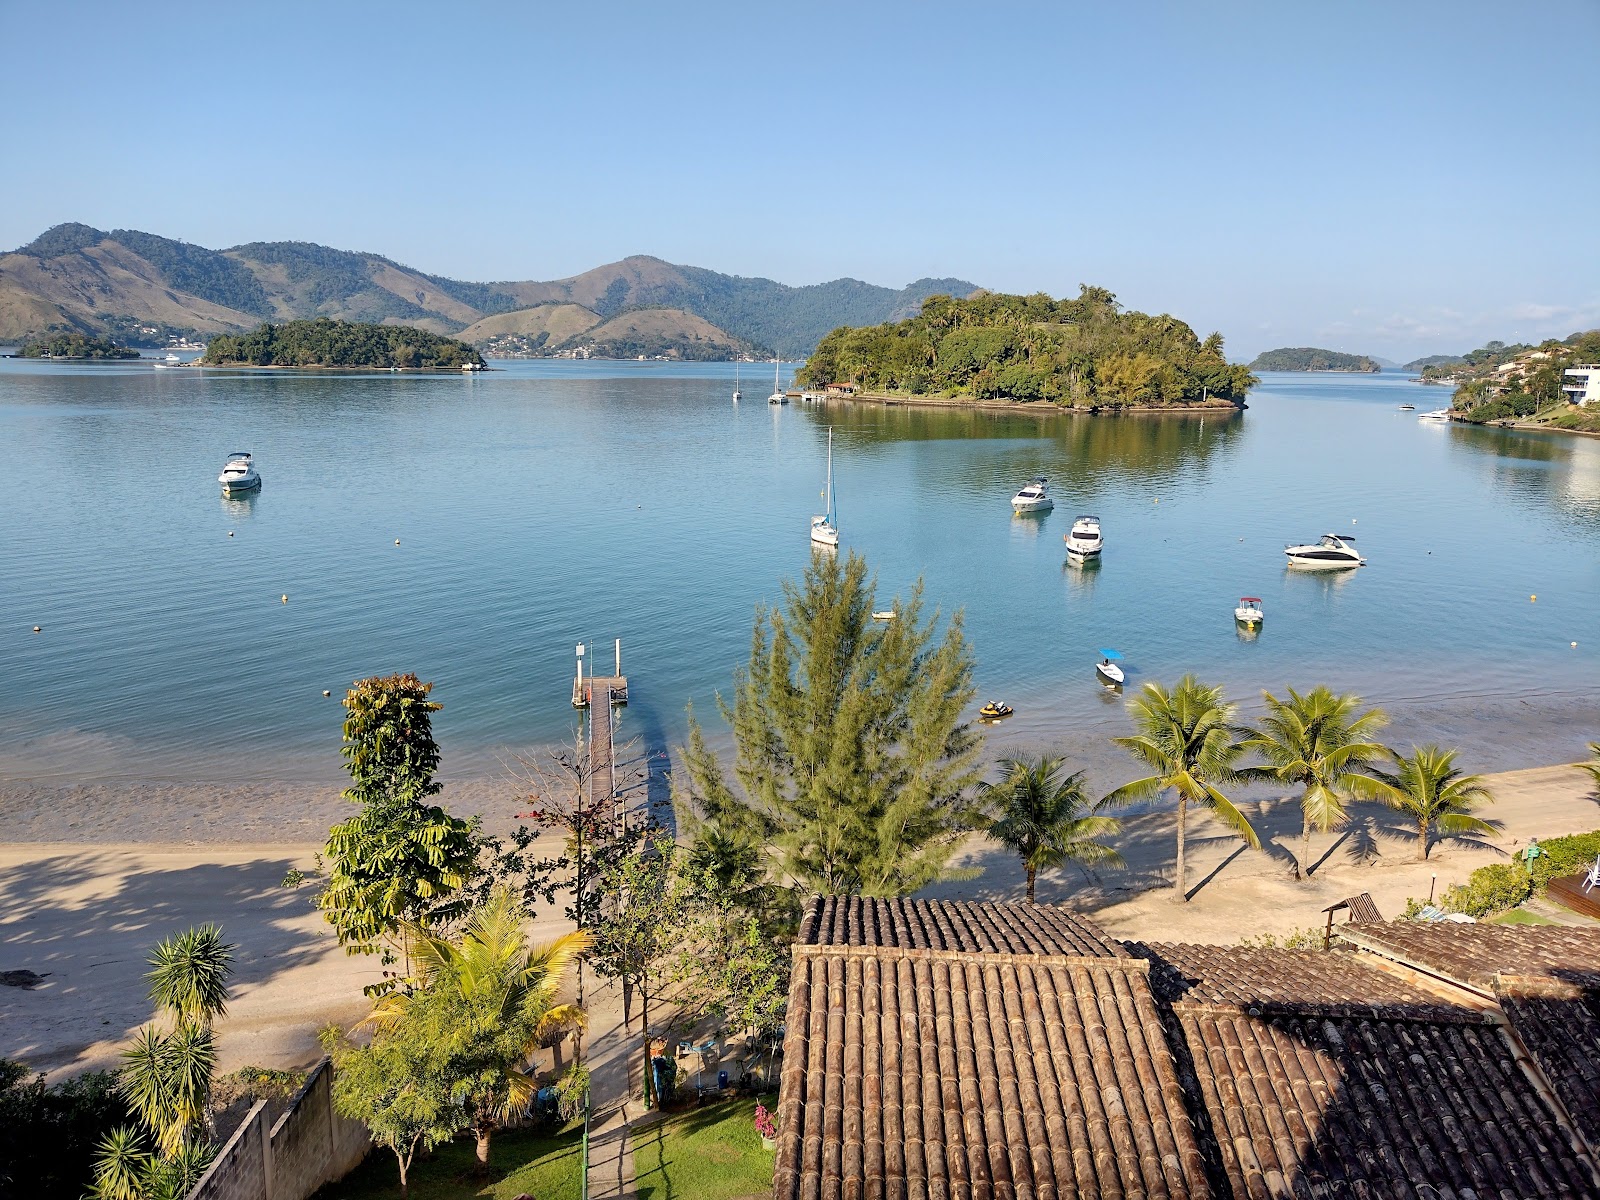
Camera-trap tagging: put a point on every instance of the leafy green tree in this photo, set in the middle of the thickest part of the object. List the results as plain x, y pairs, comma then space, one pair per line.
852, 755
400, 862
399, 1084
1319, 742
482, 1006
1186, 736
1043, 816
1433, 793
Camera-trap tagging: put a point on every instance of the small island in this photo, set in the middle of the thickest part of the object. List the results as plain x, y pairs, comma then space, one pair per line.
341, 345
1086, 353
1310, 358
74, 345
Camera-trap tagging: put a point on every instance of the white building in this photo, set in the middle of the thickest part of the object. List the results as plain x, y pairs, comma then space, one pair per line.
1584, 387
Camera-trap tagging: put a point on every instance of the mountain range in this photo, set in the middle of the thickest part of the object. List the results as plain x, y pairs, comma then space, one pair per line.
144, 288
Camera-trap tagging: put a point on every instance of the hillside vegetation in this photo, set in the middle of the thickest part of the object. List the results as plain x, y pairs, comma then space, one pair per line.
1085, 352
74, 345
664, 332
1310, 358
140, 285
327, 343
1522, 383
1434, 360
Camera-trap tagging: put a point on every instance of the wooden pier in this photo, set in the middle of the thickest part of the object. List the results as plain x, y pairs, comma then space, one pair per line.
598, 693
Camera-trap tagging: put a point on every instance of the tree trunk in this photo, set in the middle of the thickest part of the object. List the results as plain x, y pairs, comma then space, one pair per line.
1422, 841
405, 1165
1032, 873
482, 1132
1305, 850
644, 1021
627, 1004
1178, 893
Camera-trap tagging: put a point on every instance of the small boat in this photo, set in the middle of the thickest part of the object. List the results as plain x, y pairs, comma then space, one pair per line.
777, 396
1408, 408
1107, 668
240, 473
173, 358
736, 381
825, 528
995, 710
1084, 540
1438, 414
884, 614
1249, 611
1034, 496
1330, 550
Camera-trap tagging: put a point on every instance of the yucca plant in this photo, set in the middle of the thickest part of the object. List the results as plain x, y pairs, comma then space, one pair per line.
1187, 737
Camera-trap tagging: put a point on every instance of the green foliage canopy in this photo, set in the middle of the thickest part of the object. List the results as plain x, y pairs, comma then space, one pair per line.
1043, 816
1086, 352
329, 343
1310, 358
74, 345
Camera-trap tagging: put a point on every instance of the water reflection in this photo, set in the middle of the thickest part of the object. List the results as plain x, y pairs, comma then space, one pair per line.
1080, 574
239, 505
1027, 526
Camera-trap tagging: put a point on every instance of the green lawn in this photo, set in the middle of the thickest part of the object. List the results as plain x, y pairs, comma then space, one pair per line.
541, 1164
712, 1153
1521, 916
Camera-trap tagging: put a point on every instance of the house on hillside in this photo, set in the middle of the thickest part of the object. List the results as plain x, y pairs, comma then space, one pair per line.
1585, 385
1014, 1050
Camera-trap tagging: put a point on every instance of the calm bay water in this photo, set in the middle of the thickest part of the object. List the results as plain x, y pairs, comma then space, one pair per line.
555, 502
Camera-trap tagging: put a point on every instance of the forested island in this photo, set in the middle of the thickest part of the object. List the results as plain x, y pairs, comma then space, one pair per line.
74, 345
1086, 352
1310, 358
343, 344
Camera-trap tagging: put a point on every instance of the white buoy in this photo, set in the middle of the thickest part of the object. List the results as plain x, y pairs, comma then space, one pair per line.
397, 541
37, 629
286, 599
326, 692
230, 533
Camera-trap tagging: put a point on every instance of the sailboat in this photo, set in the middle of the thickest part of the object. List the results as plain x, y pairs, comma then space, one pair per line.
736, 381
825, 529
777, 396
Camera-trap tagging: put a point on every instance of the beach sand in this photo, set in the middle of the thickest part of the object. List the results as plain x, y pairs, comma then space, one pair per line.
83, 911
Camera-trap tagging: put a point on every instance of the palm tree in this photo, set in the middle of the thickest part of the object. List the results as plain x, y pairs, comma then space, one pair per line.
1045, 818
1429, 789
189, 975
1186, 736
494, 997
1593, 765
1317, 741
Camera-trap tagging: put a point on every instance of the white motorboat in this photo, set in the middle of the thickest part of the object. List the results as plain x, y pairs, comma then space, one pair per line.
1108, 670
240, 474
825, 528
1438, 414
777, 396
1034, 496
1249, 611
1330, 550
1084, 539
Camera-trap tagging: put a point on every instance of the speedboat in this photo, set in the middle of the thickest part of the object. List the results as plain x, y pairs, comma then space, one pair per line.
1084, 540
1249, 611
1034, 496
995, 710
1408, 408
1330, 550
1438, 414
884, 614
1107, 669
240, 473
825, 528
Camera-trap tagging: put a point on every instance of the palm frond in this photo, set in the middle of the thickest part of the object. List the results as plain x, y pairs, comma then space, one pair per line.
1226, 812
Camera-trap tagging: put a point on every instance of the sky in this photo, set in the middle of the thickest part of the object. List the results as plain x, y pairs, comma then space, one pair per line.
1385, 178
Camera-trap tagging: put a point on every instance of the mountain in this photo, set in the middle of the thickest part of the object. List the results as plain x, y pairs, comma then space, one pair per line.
143, 288
1434, 360
1310, 358
530, 330
658, 331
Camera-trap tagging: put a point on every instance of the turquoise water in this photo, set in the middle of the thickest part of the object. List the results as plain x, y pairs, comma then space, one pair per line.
550, 503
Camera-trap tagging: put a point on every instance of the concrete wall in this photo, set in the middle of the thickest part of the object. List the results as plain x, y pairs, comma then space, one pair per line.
308, 1146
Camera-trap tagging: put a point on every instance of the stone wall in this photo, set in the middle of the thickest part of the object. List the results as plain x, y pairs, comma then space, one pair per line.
308, 1146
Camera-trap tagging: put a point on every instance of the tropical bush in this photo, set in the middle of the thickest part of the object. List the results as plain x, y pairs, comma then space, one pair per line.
1490, 889
48, 1134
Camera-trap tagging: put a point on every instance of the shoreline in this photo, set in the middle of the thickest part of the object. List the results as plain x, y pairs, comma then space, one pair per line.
1035, 406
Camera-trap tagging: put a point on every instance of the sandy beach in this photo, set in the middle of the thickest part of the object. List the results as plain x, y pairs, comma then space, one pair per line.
84, 911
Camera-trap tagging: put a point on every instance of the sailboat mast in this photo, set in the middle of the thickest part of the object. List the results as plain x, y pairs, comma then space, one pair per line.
830, 475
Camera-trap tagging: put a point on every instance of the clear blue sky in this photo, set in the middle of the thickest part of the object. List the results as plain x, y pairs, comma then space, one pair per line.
1389, 178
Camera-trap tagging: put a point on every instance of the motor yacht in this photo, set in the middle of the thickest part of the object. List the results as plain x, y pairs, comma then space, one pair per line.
240, 473
1034, 496
1249, 611
1330, 550
825, 528
1438, 414
1408, 408
1084, 540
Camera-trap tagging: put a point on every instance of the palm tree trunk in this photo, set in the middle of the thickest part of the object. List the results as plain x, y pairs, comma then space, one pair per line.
1178, 892
1305, 850
1422, 841
482, 1133
1032, 873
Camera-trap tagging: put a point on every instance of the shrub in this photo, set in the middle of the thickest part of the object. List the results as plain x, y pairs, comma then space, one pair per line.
1565, 856
48, 1135
1308, 938
1490, 889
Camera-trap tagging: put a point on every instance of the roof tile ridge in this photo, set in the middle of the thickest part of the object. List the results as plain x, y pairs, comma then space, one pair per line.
1128, 965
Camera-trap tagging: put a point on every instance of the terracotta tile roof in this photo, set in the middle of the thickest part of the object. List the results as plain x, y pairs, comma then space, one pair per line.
913, 1072
1474, 954
951, 925
1270, 980
1331, 1106
1559, 1023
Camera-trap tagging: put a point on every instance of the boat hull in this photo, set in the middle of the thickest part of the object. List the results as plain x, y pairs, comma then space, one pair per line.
1109, 673
247, 483
1324, 564
1024, 506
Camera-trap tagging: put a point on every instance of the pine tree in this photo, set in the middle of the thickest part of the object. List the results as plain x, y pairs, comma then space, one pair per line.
852, 757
